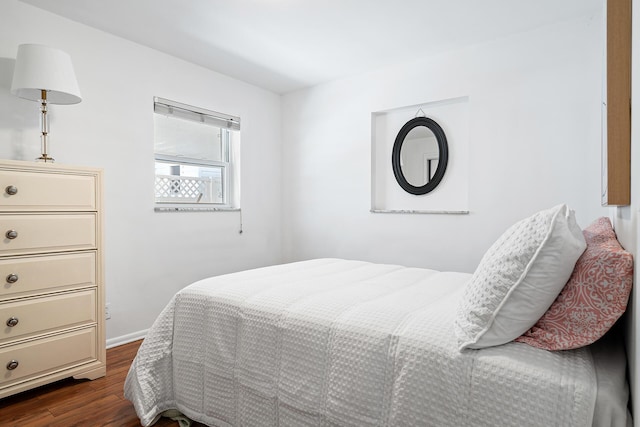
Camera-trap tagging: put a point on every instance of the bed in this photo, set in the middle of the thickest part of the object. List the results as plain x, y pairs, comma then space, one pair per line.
333, 342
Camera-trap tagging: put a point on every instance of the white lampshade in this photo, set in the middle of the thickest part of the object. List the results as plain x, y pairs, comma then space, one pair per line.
41, 68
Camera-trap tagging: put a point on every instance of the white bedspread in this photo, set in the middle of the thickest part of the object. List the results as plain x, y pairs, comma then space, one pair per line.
345, 343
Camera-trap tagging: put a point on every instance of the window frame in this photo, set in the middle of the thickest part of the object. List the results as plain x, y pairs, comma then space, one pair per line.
226, 123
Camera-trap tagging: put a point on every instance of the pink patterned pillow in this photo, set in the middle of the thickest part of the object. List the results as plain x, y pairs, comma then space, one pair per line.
593, 299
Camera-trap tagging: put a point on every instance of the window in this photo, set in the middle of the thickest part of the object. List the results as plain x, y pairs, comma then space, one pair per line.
196, 161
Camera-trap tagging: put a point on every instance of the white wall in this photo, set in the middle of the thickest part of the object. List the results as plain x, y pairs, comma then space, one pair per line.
534, 141
149, 256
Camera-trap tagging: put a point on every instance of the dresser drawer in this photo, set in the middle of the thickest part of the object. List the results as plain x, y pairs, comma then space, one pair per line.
23, 276
35, 316
46, 356
47, 233
38, 191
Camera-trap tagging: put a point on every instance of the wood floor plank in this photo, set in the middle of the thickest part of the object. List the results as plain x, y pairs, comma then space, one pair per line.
22, 414
66, 390
13, 409
80, 404
99, 409
35, 420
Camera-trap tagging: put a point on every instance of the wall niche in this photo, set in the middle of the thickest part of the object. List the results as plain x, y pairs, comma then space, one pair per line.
451, 194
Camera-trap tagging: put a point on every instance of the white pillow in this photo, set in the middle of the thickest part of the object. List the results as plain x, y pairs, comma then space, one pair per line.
518, 278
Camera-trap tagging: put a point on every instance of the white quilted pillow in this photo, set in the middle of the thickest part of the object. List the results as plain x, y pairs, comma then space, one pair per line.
518, 278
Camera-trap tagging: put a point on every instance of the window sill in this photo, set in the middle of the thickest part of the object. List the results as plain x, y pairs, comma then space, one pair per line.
429, 212
194, 209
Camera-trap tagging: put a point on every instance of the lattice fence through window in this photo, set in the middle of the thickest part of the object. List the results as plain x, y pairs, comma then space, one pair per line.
182, 189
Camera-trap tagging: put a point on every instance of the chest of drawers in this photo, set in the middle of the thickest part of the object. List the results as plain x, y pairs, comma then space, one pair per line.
51, 275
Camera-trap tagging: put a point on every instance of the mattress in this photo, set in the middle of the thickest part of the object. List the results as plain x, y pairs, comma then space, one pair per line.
333, 342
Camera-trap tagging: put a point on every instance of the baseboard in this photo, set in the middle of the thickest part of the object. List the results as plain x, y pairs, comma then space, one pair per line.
126, 339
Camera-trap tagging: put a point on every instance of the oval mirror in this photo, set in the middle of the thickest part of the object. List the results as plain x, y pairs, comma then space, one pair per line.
420, 155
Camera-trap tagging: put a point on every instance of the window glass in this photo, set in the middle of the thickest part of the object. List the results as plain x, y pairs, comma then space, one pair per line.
179, 183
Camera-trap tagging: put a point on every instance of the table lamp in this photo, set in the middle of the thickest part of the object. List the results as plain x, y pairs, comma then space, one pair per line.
46, 75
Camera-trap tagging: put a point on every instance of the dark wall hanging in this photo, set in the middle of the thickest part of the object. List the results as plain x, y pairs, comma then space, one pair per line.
417, 166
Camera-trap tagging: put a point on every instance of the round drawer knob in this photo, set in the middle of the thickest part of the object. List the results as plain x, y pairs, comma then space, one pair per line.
12, 365
11, 190
13, 321
11, 234
12, 278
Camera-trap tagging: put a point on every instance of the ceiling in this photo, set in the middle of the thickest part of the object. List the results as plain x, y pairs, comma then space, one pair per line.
284, 45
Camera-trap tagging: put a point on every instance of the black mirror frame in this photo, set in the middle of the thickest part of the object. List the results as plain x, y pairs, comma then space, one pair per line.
443, 159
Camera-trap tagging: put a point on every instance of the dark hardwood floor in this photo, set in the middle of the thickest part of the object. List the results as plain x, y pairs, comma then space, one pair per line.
79, 402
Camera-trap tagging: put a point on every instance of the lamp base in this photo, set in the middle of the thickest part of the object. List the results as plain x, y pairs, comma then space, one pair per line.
45, 158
